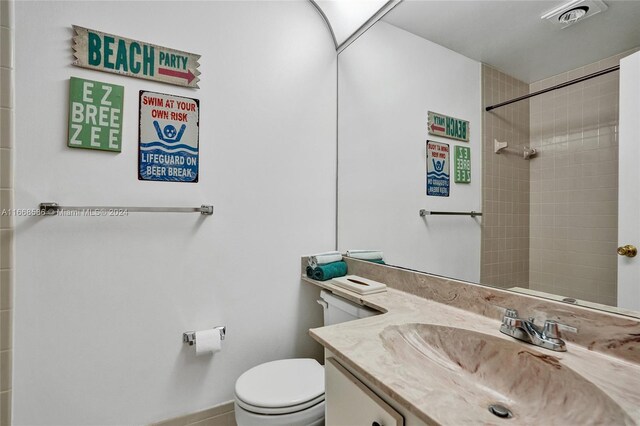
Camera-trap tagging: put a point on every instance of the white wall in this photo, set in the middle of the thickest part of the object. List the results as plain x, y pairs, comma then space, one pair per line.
101, 303
387, 82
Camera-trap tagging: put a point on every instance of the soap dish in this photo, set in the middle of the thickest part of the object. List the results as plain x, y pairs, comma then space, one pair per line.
359, 285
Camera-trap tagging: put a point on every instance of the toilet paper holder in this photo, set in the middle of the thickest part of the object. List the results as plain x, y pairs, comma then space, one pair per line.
190, 336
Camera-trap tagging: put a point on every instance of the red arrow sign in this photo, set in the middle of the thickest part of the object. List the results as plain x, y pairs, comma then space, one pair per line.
437, 128
172, 73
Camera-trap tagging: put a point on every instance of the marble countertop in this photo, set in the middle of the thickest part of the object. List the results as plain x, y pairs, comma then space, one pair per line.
359, 345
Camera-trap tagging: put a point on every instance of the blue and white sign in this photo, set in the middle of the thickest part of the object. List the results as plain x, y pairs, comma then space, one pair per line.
438, 169
168, 138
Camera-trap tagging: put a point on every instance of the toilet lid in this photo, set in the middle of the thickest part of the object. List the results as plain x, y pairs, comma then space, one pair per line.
282, 383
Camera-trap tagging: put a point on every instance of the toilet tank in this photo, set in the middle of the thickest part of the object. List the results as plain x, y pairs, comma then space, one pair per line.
338, 309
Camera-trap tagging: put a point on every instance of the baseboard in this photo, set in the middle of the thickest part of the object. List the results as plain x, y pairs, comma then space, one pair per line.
220, 415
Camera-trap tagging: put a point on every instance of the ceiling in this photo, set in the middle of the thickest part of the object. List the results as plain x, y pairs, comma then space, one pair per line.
510, 36
346, 16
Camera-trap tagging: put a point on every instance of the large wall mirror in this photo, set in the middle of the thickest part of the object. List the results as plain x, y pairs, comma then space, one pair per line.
561, 194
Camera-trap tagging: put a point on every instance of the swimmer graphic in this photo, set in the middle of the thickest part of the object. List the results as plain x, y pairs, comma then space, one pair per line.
169, 134
438, 165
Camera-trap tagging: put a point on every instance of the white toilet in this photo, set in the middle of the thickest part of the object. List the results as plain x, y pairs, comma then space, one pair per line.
290, 392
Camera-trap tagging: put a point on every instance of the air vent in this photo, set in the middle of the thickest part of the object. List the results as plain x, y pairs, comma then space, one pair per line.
573, 12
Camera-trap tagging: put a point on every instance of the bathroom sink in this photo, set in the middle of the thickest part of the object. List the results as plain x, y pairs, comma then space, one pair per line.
481, 370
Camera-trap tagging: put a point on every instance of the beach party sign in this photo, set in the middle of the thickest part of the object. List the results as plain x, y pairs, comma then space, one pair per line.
168, 138
447, 127
134, 58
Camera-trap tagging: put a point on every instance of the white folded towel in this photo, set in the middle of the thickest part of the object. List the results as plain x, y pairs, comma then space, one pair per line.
366, 254
324, 258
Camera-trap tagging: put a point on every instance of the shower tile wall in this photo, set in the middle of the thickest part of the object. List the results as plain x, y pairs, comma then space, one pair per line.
574, 186
6, 202
505, 181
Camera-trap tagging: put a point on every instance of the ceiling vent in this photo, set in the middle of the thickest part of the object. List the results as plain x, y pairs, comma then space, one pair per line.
574, 11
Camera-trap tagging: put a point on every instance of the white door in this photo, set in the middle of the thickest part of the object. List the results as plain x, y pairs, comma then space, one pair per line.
629, 182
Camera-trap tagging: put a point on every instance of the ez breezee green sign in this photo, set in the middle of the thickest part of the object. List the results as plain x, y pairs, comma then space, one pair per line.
462, 164
119, 55
448, 127
95, 115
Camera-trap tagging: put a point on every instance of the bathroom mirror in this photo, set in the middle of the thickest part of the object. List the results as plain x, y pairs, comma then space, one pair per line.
548, 197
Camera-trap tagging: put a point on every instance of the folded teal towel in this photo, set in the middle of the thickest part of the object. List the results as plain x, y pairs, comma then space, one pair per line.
379, 261
309, 272
329, 270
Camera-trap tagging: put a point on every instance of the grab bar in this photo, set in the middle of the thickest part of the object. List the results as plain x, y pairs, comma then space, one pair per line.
52, 209
424, 213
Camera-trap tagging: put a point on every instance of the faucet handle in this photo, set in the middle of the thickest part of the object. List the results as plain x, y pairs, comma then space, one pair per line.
511, 313
510, 318
551, 329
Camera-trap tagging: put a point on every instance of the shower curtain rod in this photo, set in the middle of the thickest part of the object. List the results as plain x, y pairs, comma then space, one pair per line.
556, 87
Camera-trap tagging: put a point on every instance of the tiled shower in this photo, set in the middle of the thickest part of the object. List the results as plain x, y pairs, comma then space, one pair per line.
505, 184
550, 222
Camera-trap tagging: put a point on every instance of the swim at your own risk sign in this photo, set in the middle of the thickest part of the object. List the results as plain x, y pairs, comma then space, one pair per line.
168, 139
111, 53
438, 180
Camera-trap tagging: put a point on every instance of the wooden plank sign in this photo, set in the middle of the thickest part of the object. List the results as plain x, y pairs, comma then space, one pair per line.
448, 127
111, 53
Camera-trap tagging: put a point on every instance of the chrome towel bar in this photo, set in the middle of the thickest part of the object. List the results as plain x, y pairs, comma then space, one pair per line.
52, 209
424, 213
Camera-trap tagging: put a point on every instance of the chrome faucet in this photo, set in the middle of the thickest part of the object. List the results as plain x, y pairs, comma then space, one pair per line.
547, 336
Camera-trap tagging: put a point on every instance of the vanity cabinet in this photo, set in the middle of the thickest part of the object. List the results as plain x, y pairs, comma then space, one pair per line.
349, 402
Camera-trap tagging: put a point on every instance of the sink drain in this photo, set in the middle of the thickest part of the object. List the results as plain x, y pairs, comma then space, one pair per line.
500, 411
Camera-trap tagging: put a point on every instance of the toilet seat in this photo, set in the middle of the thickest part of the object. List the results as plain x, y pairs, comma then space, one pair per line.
312, 416
279, 410
281, 387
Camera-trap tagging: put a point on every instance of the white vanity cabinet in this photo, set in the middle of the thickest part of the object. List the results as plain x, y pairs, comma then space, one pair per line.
349, 402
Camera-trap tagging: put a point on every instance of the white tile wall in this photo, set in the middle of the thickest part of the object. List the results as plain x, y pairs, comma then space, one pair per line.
6, 120
6, 202
505, 184
574, 183
562, 205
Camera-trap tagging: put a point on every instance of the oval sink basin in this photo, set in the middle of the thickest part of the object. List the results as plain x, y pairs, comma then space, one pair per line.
480, 370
